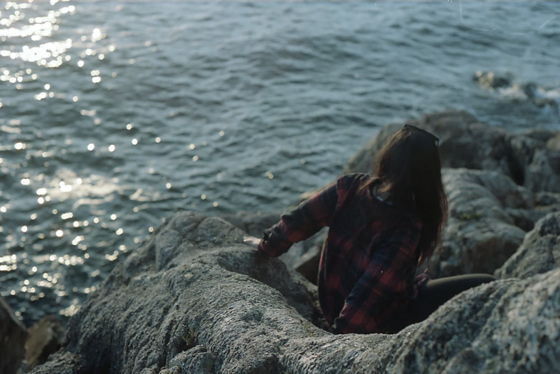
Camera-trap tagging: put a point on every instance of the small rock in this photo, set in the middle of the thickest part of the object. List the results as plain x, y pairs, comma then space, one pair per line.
492, 80
45, 337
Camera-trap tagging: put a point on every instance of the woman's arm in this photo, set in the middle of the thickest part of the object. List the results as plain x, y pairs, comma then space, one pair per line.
299, 224
383, 284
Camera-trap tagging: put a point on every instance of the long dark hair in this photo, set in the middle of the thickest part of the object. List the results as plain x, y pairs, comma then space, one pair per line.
410, 169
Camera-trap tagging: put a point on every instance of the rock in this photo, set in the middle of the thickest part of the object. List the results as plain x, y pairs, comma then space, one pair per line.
503, 84
531, 159
501, 327
308, 264
539, 253
537, 167
543, 199
255, 223
481, 233
44, 338
217, 306
545, 203
159, 302
464, 143
12, 339
553, 143
491, 80
252, 223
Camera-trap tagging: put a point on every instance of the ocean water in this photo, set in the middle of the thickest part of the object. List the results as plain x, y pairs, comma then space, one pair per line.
113, 114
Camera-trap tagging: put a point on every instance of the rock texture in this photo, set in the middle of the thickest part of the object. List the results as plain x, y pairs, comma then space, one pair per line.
195, 300
481, 233
12, 339
539, 253
255, 223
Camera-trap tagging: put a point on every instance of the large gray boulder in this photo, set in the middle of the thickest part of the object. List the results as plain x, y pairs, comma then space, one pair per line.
194, 300
12, 339
254, 224
481, 233
539, 253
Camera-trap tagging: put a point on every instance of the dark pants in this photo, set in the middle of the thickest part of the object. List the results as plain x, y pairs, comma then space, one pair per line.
435, 293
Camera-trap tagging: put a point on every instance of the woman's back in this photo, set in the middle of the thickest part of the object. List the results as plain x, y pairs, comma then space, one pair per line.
372, 243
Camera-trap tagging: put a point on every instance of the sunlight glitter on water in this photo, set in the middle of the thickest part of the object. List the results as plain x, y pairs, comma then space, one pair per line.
132, 110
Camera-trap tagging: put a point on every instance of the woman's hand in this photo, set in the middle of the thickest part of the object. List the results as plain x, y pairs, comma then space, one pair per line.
251, 241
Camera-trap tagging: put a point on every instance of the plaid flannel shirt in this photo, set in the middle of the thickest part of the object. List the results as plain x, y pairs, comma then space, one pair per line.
369, 259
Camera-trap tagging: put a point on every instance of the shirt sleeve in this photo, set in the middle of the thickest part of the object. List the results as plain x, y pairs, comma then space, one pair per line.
301, 223
382, 285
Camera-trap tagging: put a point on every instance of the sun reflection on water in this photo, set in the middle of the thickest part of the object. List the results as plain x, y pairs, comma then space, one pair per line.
65, 217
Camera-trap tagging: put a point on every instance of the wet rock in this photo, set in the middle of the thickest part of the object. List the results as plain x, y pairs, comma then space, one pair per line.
44, 339
539, 253
503, 83
221, 307
12, 339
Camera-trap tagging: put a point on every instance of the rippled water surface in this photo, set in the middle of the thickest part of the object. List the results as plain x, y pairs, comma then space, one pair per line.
114, 114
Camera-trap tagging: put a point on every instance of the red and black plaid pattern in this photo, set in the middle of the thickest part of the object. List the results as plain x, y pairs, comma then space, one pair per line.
369, 259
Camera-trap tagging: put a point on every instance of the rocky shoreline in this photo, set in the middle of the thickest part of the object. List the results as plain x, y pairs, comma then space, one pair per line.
194, 299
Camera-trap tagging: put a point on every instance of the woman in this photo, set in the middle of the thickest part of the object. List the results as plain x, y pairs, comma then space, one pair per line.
380, 230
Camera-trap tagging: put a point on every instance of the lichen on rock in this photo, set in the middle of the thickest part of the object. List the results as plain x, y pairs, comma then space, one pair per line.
218, 306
